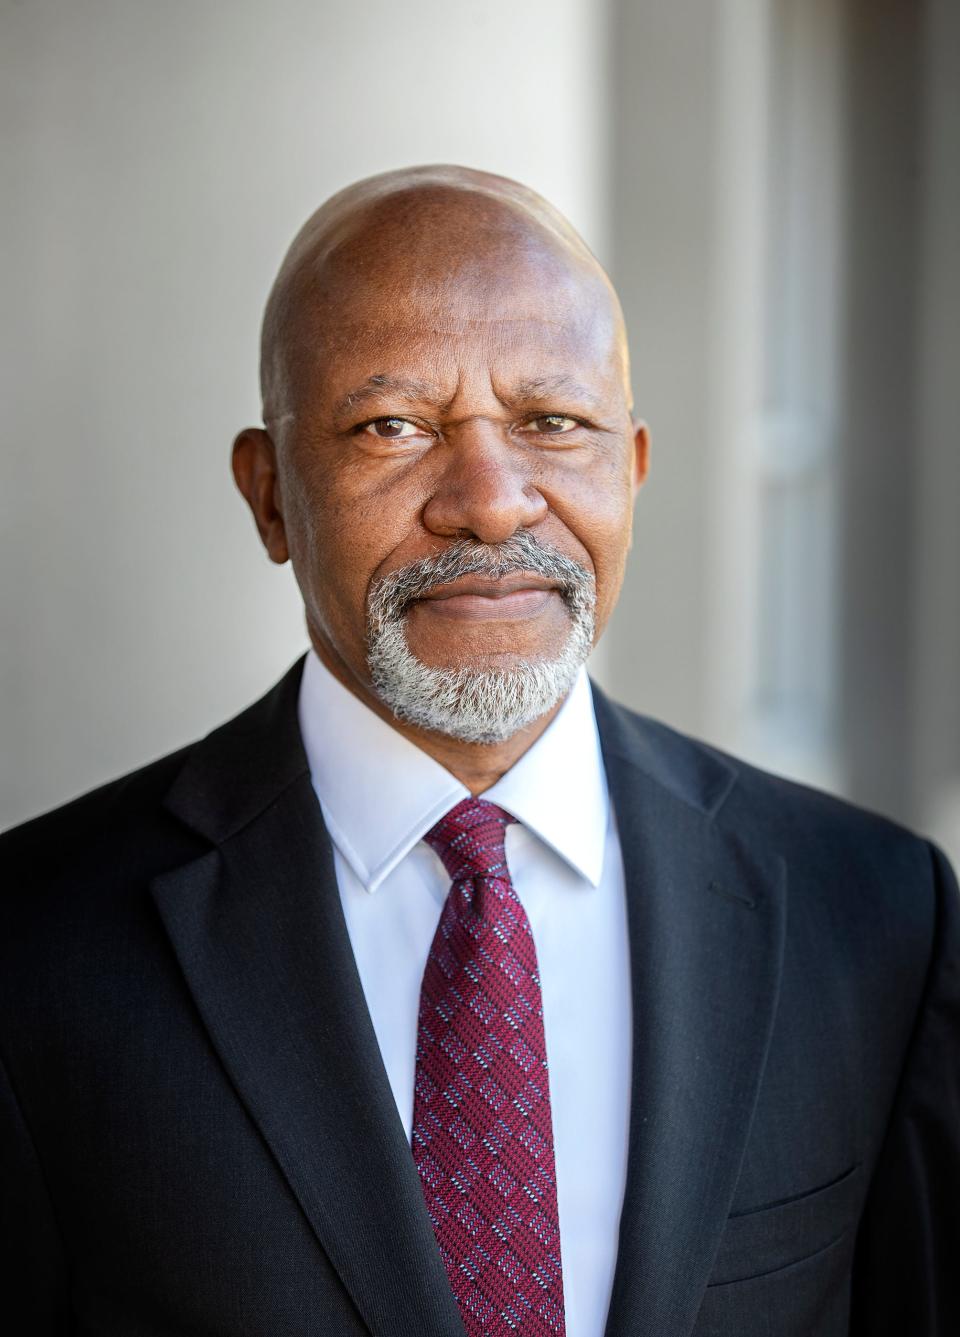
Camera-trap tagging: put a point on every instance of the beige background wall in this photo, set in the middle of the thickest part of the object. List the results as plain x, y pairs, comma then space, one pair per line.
774, 185
156, 161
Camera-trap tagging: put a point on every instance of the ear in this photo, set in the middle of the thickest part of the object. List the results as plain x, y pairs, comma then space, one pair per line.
641, 454
255, 472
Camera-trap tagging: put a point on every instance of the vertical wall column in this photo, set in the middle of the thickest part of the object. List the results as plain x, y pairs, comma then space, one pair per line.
881, 401
663, 76
934, 450
785, 208
778, 386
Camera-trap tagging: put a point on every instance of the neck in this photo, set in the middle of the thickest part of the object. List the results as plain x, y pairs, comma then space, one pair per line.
478, 766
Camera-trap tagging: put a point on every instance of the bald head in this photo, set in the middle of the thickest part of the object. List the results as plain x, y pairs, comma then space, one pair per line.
448, 233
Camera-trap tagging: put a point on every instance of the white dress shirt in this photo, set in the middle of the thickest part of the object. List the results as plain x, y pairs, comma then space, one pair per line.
379, 794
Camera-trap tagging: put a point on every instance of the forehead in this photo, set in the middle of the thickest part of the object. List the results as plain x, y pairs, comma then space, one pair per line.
520, 318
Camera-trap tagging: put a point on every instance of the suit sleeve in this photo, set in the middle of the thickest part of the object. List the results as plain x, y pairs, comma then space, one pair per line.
33, 1275
907, 1266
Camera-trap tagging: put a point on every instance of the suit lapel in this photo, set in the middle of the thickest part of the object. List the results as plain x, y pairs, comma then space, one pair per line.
259, 932
706, 921
257, 926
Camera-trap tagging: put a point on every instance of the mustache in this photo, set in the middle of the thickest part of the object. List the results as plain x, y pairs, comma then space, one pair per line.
391, 596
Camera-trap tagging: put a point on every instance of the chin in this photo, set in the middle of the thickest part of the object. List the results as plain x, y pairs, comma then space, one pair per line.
485, 700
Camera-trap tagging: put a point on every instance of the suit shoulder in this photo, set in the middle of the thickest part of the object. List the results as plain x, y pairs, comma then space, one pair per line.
115, 814
131, 828
807, 825
819, 825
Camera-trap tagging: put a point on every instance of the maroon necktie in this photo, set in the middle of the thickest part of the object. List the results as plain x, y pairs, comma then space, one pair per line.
482, 1135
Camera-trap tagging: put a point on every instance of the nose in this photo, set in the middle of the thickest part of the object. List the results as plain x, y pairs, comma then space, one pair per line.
484, 490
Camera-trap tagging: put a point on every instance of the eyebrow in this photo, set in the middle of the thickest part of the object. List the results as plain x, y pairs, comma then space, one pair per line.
537, 389
544, 387
376, 387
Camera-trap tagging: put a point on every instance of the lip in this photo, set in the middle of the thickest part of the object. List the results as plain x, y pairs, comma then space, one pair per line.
488, 588
474, 598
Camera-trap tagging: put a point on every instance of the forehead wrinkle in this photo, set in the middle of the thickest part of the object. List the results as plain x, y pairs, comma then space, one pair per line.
416, 390
444, 342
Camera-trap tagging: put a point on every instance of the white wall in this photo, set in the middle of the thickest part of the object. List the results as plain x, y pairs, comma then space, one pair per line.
156, 160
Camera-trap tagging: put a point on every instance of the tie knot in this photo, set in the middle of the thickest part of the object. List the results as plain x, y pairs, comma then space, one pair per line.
469, 840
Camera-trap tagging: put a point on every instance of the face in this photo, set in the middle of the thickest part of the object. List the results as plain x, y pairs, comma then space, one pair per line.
444, 404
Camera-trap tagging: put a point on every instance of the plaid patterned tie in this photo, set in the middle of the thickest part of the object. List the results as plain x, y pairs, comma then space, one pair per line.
482, 1135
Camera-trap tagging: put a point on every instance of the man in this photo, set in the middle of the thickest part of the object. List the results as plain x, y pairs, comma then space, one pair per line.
436, 993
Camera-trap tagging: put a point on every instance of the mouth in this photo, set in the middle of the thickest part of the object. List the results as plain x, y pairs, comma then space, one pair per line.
517, 595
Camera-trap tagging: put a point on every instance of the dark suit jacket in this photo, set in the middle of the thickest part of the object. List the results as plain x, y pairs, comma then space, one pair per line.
197, 1133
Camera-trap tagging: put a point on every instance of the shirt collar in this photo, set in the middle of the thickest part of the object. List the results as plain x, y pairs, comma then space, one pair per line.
380, 793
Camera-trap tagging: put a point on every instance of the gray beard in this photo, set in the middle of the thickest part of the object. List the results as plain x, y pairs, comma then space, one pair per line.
476, 705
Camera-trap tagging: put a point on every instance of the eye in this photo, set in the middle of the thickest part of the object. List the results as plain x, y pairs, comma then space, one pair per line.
553, 424
391, 429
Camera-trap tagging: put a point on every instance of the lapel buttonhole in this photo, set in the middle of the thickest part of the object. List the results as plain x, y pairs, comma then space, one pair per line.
733, 895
